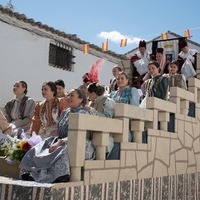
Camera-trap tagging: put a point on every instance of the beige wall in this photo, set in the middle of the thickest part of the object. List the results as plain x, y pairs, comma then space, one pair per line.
165, 153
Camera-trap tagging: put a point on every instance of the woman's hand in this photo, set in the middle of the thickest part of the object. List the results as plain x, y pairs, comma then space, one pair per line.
54, 146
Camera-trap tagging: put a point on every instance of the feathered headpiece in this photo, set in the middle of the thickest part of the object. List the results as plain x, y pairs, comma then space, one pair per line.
93, 74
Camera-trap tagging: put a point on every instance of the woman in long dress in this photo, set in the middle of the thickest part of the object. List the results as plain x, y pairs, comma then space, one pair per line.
157, 85
47, 112
48, 161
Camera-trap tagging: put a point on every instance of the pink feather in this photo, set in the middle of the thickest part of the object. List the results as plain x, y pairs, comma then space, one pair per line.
93, 74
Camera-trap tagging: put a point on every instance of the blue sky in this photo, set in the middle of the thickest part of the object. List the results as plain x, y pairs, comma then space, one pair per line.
95, 21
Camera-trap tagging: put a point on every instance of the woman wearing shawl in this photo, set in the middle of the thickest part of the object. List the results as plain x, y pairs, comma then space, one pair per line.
175, 78
48, 161
47, 112
125, 93
158, 85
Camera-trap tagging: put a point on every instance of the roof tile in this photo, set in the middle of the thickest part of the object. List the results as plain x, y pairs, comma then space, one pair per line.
73, 37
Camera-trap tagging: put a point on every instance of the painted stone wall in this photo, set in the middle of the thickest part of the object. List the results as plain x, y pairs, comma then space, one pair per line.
165, 166
183, 186
172, 147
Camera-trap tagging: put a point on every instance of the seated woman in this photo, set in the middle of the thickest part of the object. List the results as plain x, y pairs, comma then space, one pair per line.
17, 112
175, 78
102, 106
157, 86
60, 85
47, 112
48, 161
113, 81
125, 93
161, 58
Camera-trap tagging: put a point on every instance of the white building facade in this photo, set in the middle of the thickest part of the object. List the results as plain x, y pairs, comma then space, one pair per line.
170, 46
24, 55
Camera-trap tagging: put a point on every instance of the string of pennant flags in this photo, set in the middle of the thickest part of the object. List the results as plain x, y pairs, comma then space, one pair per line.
187, 35
123, 42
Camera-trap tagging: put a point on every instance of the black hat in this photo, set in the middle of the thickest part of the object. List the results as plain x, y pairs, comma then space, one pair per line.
142, 43
182, 44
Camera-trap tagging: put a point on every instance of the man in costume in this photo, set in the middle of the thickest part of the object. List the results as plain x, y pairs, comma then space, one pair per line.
187, 59
140, 62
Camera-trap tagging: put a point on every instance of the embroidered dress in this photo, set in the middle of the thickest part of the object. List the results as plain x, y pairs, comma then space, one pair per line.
157, 87
126, 95
46, 115
47, 167
177, 80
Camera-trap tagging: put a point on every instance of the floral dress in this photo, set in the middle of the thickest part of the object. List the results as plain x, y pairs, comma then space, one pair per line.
46, 116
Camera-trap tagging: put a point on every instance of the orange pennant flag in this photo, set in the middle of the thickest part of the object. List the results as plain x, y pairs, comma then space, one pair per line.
123, 42
187, 33
85, 48
105, 46
164, 36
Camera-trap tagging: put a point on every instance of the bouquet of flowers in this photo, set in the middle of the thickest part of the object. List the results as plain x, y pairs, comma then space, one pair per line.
14, 149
